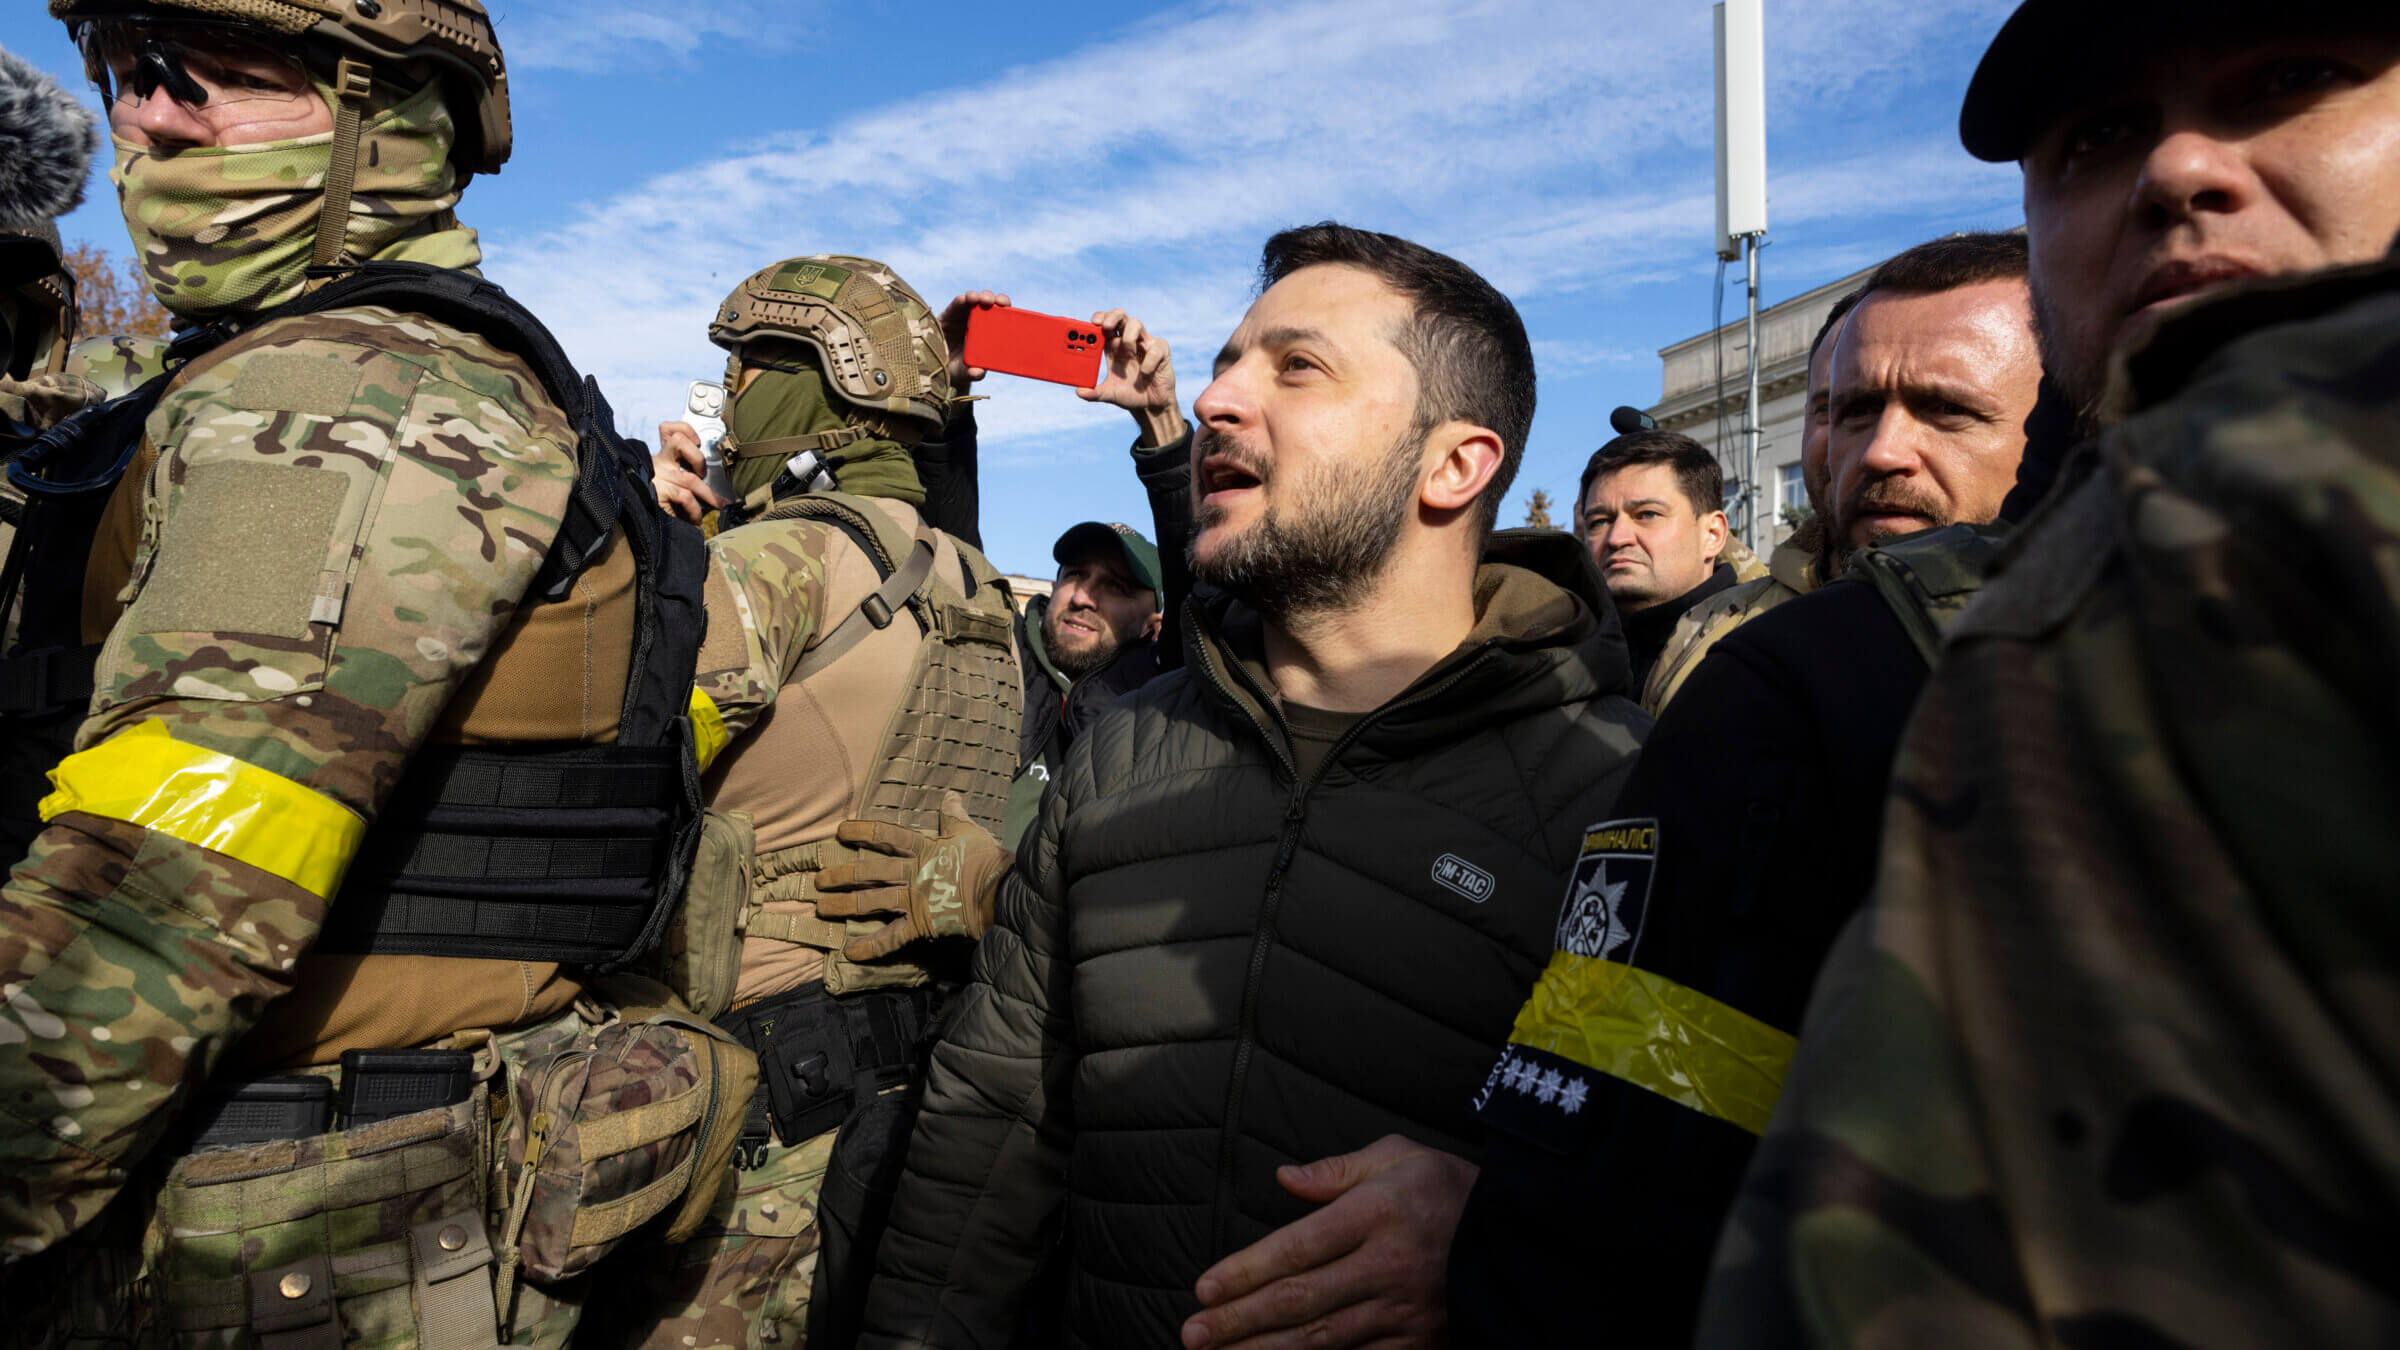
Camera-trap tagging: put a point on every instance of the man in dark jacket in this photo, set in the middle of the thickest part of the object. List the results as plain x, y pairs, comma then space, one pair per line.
1758, 802
1227, 1018
1085, 645
1652, 511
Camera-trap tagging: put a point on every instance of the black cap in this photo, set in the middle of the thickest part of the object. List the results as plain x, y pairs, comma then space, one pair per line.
2052, 55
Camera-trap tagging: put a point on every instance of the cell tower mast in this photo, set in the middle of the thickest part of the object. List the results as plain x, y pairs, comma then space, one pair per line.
1742, 199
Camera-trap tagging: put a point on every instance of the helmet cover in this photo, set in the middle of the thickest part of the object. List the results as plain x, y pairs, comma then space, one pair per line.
877, 341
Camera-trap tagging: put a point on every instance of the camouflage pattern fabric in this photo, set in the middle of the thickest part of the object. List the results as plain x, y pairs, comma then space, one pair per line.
231, 228
1790, 572
349, 507
116, 362
742, 1282
772, 576
226, 1214
2111, 1059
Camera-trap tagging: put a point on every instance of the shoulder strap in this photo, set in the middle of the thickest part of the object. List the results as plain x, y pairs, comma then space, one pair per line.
1926, 579
875, 612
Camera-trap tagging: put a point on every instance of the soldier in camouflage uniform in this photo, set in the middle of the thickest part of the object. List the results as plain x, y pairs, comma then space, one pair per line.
333, 586
863, 666
2111, 1058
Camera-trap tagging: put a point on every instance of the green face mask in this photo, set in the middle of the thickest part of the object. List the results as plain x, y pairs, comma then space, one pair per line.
221, 229
781, 403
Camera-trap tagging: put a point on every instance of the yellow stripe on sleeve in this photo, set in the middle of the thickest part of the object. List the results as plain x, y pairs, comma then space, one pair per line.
708, 728
1659, 1036
148, 778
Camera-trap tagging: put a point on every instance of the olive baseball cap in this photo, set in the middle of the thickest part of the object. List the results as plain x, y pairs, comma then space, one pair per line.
2053, 55
1094, 536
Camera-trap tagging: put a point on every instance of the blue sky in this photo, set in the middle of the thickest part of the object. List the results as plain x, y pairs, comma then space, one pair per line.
1079, 157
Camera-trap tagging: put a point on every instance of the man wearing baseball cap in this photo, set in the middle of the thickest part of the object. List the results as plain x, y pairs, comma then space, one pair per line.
1088, 642
2111, 1058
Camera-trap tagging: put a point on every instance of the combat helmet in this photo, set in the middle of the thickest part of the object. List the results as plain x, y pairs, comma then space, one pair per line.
879, 344
454, 36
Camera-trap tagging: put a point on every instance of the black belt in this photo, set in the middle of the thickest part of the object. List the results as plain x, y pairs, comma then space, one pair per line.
818, 1054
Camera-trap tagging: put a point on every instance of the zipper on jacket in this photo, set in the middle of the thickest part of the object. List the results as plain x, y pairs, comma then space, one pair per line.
1263, 941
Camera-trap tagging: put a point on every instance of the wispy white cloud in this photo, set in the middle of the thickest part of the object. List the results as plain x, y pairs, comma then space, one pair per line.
1561, 147
596, 36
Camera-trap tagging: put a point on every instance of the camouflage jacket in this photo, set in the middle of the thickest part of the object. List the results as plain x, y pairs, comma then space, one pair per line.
346, 510
2111, 1058
1790, 572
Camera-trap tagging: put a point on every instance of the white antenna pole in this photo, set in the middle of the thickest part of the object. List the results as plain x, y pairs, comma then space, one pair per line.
1742, 197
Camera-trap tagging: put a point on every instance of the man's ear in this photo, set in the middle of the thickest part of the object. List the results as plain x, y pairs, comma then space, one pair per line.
1714, 531
1461, 459
1157, 621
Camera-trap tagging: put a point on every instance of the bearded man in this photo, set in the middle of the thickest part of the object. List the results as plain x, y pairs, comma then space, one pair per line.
1225, 1020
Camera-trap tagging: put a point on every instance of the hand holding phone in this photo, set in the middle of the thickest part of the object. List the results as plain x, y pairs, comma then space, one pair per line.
1036, 346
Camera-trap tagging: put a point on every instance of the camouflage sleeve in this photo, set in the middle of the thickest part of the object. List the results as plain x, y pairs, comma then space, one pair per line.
345, 512
766, 596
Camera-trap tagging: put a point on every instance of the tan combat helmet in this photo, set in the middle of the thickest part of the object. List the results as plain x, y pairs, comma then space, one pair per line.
454, 36
878, 342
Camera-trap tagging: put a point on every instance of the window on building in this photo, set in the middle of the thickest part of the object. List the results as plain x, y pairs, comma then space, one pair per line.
1791, 490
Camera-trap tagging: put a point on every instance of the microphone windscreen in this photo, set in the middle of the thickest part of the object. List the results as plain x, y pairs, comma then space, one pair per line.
47, 139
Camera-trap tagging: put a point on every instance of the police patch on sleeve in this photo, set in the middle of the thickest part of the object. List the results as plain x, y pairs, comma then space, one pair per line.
1609, 894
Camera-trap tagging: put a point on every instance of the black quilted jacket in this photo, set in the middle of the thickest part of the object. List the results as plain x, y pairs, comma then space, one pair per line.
1202, 969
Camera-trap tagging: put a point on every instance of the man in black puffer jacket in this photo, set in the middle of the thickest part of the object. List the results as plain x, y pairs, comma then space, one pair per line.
1230, 1015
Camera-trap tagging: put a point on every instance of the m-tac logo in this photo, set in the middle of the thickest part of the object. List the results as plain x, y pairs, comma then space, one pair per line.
1464, 877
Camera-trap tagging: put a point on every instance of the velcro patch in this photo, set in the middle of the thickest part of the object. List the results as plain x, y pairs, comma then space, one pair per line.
242, 552
1609, 893
297, 382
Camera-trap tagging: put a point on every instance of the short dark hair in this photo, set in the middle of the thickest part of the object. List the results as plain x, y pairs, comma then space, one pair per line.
1696, 470
1833, 319
1952, 262
1466, 343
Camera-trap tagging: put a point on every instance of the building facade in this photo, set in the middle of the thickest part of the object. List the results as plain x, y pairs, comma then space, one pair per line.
1694, 400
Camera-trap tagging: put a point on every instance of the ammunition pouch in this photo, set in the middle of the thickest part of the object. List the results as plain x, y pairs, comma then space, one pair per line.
701, 957
819, 1056
241, 1236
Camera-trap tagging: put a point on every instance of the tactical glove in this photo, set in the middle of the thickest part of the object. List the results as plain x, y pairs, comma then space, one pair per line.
933, 885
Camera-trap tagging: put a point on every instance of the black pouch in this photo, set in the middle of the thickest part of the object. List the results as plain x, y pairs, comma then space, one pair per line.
805, 1066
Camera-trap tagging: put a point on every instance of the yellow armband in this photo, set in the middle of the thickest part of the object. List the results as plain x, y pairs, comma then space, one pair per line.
708, 729
148, 778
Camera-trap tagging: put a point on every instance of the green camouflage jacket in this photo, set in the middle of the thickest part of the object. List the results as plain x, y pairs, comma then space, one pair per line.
2113, 1058
346, 511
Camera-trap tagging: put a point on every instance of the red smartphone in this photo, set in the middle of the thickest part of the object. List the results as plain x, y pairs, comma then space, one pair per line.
1036, 346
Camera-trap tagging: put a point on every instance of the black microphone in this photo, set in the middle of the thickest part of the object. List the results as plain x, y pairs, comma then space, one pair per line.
1627, 421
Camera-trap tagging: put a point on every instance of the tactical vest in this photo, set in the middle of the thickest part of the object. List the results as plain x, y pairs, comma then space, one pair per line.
565, 852
1927, 579
954, 730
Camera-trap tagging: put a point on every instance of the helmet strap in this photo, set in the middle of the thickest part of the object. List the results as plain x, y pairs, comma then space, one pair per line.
351, 83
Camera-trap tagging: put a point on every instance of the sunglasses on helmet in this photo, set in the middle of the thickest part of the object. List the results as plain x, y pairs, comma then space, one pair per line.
198, 65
